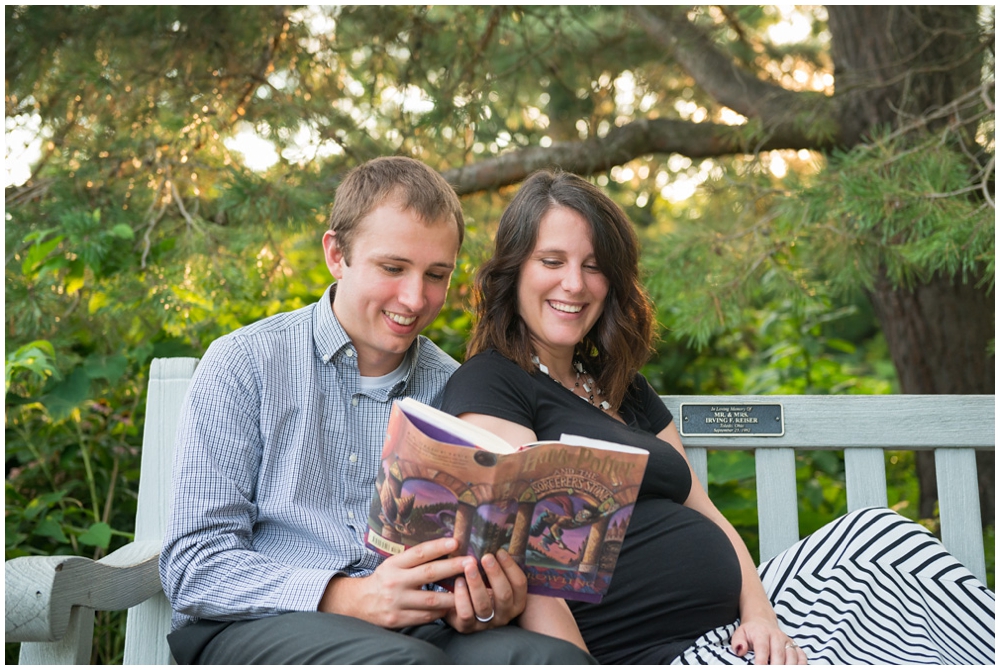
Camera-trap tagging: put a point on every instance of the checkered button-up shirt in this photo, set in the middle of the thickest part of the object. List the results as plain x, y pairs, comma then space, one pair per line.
277, 452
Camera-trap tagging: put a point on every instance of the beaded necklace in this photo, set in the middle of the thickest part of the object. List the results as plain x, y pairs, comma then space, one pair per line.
588, 384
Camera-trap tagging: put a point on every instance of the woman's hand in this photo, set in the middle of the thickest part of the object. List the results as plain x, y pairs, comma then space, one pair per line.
759, 630
478, 607
769, 644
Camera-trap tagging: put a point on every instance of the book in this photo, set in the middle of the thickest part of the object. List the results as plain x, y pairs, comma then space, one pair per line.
559, 508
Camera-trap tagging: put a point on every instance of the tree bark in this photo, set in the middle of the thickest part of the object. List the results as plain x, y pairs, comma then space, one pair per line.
893, 64
937, 334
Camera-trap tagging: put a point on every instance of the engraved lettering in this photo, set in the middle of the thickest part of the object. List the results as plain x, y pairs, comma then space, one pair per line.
717, 419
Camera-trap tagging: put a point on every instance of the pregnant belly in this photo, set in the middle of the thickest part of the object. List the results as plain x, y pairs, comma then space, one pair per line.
677, 577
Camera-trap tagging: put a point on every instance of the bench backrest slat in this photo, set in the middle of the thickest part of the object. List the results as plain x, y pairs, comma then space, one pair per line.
864, 470
885, 421
777, 501
958, 505
698, 457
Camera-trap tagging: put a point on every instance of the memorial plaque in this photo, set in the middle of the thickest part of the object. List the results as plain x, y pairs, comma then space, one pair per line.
756, 419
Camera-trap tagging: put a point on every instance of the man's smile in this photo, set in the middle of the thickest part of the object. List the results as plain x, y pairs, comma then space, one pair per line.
399, 318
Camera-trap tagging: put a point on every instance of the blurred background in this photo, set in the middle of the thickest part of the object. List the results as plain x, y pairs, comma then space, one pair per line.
813, 188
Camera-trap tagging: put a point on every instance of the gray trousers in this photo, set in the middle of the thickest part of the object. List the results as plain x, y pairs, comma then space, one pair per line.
300, 638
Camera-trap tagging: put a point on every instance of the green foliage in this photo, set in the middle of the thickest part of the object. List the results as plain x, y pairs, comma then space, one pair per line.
901, 208
35, 357
893, 209
990, 543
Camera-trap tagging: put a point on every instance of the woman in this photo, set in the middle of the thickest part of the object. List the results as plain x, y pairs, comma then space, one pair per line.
562, 328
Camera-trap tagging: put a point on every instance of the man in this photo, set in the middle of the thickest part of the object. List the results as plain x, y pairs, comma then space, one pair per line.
278, 449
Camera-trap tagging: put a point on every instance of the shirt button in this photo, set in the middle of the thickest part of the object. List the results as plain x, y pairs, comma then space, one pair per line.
349, 354
350, 515
354, 401
353, 458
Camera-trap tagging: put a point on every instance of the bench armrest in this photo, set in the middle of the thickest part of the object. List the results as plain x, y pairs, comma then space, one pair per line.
41, 590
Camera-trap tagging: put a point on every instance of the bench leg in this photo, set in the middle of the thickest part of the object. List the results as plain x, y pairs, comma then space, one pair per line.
73, 649
146, 633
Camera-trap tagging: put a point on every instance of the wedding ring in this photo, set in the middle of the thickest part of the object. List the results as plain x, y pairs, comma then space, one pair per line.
487, 619
788, 645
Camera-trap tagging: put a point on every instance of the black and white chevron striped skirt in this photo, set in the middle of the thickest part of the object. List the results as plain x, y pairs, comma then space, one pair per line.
870, 588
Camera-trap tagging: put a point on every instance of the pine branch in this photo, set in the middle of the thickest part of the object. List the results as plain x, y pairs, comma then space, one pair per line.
622, 144
33, 189
724, 80
153, 219
263, 67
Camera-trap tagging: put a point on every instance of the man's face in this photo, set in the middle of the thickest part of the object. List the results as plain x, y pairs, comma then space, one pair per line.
395, 284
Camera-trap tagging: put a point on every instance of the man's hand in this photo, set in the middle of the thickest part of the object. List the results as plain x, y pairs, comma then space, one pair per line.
498, 604
392, 596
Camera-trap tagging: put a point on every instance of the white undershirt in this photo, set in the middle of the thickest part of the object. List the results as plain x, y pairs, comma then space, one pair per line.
386, 381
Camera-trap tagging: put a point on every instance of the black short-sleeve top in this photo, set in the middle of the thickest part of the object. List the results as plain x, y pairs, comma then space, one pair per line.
677, 575
491, 384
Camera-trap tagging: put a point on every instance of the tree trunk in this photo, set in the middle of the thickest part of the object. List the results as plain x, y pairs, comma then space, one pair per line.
937, 335
894, 65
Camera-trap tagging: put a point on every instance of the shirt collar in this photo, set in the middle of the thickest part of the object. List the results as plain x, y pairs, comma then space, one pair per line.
329, 336
332, 341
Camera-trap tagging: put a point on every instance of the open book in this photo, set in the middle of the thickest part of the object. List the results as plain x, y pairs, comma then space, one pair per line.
560, 509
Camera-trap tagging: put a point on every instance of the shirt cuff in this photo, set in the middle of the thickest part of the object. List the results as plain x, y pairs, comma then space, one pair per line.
304, 589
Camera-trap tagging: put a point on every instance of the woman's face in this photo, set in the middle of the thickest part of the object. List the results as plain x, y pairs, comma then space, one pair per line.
561, 291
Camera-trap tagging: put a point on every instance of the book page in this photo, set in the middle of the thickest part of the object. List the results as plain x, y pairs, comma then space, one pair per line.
581, 441
447, 428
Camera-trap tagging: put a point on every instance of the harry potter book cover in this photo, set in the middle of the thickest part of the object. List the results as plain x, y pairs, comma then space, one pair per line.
560, 509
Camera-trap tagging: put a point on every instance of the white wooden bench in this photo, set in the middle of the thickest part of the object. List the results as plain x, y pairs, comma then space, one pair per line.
50, 601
